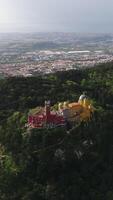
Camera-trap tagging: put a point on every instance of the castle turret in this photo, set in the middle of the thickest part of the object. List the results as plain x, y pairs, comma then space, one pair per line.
47, 109
82, 98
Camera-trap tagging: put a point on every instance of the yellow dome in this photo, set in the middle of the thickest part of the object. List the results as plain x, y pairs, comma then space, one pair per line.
65, 104
86, 103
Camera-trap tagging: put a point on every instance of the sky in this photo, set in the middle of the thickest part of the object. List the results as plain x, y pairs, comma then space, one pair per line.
91, 16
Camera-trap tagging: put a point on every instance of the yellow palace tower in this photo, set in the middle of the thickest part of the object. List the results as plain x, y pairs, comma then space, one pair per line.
78, 111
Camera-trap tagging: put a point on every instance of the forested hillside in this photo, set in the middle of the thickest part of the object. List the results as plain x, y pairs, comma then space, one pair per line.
54, 164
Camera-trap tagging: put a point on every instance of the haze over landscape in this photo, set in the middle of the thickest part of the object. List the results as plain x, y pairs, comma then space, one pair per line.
39, 37
56, 16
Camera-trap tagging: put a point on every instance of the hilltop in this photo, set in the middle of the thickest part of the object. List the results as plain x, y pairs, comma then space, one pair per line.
53, 164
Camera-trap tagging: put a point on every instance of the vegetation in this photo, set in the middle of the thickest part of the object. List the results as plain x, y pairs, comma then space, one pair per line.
56, 164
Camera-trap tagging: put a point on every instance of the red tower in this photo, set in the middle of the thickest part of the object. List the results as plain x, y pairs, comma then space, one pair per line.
47, 110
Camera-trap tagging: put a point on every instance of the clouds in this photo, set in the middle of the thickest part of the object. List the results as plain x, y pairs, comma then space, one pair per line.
60, 15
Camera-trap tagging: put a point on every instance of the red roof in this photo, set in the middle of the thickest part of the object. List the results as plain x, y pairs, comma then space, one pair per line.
42, 120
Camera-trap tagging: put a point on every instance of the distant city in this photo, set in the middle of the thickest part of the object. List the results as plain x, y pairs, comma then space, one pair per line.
42, 53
